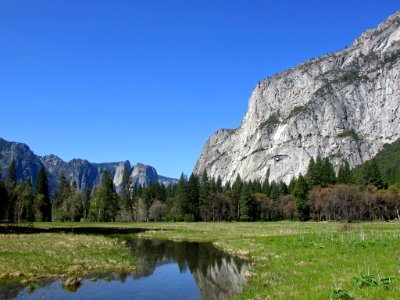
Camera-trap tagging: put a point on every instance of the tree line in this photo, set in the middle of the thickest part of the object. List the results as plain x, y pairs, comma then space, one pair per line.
319, 195
18, 202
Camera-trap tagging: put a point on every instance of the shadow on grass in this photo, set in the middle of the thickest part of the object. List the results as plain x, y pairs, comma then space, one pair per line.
12, 229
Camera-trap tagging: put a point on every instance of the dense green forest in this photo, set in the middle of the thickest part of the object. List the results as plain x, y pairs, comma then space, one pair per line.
370, 191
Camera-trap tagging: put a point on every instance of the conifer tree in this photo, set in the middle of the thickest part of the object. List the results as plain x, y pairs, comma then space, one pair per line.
204, 194
181, 197
86, 202
246, 202
193, 195
42, 199
344, 174
11, 185
3, 202
266, 189
373, 175
236, 192
24, 202
62, 206
311, 173
105, 202
127, 199
328, 173
300, 192
274, 191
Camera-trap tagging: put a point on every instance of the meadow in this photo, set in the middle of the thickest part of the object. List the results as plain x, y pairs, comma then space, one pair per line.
292, 260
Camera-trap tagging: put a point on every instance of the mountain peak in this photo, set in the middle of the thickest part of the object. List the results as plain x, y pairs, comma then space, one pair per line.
83, 172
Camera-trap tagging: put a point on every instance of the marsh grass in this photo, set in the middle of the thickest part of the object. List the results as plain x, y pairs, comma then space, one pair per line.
33, 257
306, 260
292, 260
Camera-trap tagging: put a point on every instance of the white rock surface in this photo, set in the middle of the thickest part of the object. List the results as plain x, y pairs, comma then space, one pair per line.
343, 105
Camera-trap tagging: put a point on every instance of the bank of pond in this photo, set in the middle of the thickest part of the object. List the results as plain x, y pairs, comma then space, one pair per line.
163, 270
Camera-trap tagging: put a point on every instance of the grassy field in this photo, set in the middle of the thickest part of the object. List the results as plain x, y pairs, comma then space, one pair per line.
292, 260
31, 257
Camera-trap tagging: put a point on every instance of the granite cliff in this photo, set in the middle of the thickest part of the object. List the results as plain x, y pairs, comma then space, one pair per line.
343, 105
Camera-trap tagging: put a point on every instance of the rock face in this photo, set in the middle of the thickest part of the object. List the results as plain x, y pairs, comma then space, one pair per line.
344, 105
81, 171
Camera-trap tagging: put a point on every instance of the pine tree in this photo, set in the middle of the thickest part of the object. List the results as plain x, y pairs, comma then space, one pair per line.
105, 202
246, 202
328, 173
274, 191
204, 194
300, 192
42, 199
3, 202
373, 175
127, 198
193, 191
291, 185
62, 206
236, 192
344, 174
181, 197
311, 172
11, 185
266, 189
28, 213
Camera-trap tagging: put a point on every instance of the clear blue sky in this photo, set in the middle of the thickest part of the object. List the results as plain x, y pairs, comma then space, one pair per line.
151, 80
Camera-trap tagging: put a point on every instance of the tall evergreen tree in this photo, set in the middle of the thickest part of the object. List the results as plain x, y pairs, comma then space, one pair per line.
328, 173
204, 194
311, 172
300, 192
62, 206
274, 191
181, 197
193, 190
11, 185
236, 192
105, 202
373, 175
246, 202
3, 202
86, 202
127, 198
344, 174
266, 189
42, 199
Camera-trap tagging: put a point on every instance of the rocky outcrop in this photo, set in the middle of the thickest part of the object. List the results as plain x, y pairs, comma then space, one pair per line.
83, 172
344, 105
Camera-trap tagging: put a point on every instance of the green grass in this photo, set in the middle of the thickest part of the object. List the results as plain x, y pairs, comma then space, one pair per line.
306, 260
292, 260
50, 255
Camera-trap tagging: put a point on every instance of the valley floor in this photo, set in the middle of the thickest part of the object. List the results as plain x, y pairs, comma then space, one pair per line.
292, 260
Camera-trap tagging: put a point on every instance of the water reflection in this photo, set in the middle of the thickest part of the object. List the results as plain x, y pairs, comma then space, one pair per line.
164, 270
218, 275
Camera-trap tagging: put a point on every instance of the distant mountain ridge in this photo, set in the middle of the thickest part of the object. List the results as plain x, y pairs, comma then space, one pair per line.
83, 172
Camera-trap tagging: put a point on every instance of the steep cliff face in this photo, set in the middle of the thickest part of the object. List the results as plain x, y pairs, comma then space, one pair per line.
344, 105
81, 171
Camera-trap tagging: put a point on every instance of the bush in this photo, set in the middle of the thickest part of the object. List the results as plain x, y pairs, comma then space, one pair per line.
341, 294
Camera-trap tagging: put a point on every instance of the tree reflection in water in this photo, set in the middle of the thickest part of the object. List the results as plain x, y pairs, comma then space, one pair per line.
204, 272
218, 275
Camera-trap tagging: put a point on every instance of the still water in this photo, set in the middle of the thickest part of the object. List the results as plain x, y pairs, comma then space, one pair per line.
164, 270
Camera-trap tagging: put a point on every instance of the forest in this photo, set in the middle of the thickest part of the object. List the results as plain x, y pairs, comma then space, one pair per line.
369, 192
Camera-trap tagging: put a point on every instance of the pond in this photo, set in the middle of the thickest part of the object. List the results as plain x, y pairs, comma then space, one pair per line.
164, 270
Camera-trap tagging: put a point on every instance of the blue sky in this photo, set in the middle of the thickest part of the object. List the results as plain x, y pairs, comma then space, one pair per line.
150, 81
